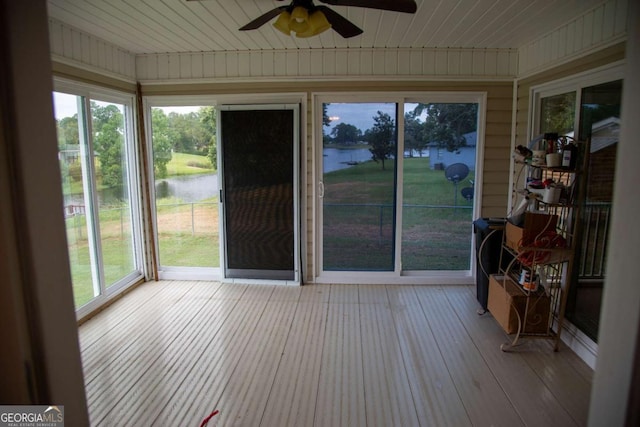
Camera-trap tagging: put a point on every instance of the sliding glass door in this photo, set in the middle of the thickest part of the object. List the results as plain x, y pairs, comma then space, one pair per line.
99, 178
225, 181
398, 197
438, 173
259, 151
185, 180
358, 187
590, 109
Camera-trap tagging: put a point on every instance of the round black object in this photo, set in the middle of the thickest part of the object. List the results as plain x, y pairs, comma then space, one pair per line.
456, 172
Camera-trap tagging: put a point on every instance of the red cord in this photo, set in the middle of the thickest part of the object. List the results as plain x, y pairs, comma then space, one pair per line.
206, 420
547, 240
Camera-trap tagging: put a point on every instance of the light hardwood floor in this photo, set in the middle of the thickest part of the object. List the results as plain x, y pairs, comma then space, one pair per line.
171, 352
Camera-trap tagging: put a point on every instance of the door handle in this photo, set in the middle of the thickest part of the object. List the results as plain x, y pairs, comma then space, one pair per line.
321, 189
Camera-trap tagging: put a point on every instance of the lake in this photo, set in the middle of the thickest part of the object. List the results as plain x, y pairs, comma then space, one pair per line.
194, 188
335, 158
189, 188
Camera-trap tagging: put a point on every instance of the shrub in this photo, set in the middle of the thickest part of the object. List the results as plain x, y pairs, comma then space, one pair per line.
75, 171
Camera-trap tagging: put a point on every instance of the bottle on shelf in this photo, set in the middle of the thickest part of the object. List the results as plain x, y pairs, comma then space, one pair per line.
569, 156
554, 156
551, 142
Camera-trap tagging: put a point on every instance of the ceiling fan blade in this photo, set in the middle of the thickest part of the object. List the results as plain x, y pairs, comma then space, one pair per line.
261, 20
408, 6
340, 24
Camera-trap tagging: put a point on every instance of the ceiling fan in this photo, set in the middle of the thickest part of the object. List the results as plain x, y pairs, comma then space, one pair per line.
305, 19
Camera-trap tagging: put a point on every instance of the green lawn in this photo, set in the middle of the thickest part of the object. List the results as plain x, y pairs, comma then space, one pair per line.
358, 219
187, 250
117, 264
358, 233
188, 237
188, 164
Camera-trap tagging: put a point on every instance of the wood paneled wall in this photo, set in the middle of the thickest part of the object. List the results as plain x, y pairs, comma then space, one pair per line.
601, 27
423, 64
74, 47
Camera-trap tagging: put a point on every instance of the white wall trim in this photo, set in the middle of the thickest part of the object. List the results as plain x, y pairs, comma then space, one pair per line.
310, 79
583, 346
93, 69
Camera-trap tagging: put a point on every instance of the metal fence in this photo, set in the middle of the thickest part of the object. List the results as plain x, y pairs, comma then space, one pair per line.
595, 231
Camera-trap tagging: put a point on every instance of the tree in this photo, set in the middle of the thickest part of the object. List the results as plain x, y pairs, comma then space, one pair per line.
69, 147
68, 131
209, 125
381, 138
413, 134
446, 124
108, 142
344, 133
187, 133
180, 131
326, 121
557, 113
161, 142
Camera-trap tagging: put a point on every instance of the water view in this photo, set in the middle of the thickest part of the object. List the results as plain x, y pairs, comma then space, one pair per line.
190, 188
337, 158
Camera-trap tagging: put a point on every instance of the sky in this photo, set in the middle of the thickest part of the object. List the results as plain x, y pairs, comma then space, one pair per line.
359, 114
66, 105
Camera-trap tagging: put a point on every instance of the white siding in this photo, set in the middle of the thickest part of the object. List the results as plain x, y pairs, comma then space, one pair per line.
73, 47
600, 27
479, 64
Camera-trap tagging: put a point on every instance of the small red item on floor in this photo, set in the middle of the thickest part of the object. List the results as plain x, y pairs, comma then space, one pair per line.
206, 420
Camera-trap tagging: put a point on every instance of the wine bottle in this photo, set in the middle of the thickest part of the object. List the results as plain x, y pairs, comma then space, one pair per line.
569, 156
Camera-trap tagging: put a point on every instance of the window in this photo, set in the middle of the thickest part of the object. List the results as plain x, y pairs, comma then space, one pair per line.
589, 107
193, 183
359, 170
557, 113
440, 154
396, 190
184, 154
97, 155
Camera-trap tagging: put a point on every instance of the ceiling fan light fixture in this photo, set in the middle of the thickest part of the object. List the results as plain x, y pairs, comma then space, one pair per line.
318, 24
282, 23
299, 22
306, 19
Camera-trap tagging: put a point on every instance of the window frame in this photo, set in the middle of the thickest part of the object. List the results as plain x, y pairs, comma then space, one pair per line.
88, 93
575, 83
397, 276
216, 101
587, 349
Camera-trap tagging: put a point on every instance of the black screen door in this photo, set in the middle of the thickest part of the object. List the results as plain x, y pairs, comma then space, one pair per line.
258, 161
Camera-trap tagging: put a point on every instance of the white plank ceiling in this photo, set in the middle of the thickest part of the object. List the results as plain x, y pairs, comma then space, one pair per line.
169, 26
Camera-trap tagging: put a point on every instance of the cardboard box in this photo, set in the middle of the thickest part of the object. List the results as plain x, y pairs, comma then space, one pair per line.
534, 224
507, 300
513, 236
